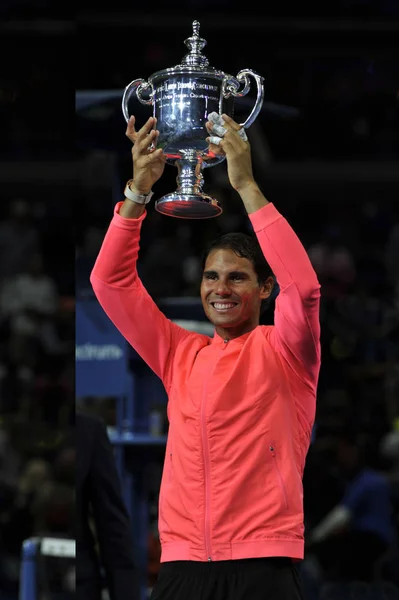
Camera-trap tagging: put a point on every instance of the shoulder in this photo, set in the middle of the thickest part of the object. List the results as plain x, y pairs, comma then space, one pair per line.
264, 329
262, 332
376, 479
370, 480
191, 340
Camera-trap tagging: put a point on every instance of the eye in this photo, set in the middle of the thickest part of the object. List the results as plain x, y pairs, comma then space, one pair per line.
211, 276
236, 278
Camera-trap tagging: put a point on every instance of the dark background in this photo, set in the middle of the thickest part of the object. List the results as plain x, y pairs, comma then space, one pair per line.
37, 292
325, 151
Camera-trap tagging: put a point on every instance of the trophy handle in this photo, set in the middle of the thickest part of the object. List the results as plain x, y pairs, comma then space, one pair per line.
231, 87
139, 86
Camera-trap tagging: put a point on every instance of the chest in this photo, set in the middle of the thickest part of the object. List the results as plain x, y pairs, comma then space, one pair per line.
230, 381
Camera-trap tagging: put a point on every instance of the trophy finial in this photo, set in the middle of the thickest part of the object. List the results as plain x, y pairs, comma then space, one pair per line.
195, 44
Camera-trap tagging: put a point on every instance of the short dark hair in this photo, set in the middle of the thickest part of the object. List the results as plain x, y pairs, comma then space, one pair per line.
245, 246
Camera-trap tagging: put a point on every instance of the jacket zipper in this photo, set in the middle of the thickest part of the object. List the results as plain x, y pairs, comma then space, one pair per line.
205, 447
272, 450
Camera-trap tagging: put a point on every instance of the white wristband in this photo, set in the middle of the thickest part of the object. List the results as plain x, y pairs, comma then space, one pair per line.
137, 198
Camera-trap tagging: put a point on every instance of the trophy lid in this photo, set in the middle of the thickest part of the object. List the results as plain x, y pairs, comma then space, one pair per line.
195, 44
194, 61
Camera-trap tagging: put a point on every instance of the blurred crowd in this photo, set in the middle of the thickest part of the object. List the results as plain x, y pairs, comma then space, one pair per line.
36, 317
37, 454
353, 462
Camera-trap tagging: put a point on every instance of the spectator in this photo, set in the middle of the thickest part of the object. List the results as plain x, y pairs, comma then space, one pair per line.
103, 537
360, 529
19, 515
29, 302
18, 238
36, 392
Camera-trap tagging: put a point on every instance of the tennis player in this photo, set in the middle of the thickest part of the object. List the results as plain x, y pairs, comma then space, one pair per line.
241, 404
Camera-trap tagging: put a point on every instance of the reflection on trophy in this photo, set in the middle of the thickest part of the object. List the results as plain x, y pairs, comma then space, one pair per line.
182, 98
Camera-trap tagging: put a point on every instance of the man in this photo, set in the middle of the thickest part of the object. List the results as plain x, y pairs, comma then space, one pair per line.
241, 405
99, 503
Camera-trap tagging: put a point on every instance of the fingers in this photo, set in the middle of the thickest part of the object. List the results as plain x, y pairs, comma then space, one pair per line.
235, 127
156, 155
219, 130
144, 140
215, 124
215, 145
141, 134
223, 133
147, 128
219, 125
214, 139
230, 122
216, 120
131, 132
147, 143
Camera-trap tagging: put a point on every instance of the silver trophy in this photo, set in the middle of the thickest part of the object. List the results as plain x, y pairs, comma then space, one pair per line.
182, 97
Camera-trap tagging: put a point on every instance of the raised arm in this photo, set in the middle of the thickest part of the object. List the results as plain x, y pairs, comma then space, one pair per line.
114, 276
296, 315
297, 327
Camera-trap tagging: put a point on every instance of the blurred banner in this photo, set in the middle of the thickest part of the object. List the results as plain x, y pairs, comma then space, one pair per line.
101, 353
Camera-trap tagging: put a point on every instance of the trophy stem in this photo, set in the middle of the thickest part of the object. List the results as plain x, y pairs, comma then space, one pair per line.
188, 201
189, 173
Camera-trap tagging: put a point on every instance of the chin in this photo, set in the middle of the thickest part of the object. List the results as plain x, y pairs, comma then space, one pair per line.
224, 321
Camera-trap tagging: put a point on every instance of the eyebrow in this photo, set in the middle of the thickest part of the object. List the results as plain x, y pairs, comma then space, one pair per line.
242, 274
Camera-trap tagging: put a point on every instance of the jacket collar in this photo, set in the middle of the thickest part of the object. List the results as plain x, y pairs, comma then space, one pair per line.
219, 341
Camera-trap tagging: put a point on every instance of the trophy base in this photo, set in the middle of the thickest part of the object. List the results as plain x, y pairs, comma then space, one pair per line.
188, 206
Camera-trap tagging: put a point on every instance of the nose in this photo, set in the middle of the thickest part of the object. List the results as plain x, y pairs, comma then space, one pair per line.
222, 289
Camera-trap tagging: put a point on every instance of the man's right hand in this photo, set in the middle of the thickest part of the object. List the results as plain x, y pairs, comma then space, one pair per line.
148, 162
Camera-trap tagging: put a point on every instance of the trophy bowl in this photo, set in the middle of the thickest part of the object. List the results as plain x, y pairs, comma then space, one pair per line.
182, 97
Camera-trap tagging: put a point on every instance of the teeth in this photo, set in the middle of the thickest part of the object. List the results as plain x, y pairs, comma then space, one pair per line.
222, 306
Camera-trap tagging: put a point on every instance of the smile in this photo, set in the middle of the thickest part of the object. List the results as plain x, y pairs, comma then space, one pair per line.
223, 306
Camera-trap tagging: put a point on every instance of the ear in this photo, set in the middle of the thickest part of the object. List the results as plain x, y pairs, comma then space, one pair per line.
266, 288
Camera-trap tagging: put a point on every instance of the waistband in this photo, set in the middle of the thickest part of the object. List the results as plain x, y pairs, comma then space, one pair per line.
222, 567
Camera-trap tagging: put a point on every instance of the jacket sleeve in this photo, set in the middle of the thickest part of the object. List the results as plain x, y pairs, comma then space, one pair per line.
123, 297
112, 522
296, 334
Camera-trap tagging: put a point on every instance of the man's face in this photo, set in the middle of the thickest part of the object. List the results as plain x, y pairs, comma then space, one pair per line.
231, 294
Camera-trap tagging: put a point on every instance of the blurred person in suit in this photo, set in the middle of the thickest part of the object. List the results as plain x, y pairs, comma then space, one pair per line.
104, 546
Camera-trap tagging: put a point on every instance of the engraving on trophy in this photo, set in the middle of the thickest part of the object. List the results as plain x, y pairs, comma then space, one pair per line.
182, 97
182, 107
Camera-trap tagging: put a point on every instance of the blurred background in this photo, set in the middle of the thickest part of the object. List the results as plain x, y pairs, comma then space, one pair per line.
37, 302
325, 150
37, 322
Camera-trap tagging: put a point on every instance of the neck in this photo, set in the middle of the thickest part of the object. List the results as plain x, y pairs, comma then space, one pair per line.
230, 333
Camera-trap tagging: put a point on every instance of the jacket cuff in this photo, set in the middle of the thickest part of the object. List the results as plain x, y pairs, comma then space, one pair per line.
124, 223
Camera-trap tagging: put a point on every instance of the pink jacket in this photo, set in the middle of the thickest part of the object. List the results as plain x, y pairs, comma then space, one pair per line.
240, 412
